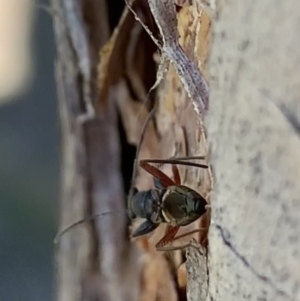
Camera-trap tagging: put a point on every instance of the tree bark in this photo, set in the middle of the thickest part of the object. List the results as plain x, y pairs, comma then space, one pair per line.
250, 134
253, 130
94, 261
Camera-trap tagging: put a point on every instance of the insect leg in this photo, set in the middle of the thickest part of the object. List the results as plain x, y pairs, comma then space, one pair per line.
188, 158
176, 174
173, 248
175, 168
171, 232
189, 233
175, 161
164, 180
155, 172
172, 161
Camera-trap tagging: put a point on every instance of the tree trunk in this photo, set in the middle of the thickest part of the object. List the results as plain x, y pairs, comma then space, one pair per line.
253, 129
248, 52
94, 262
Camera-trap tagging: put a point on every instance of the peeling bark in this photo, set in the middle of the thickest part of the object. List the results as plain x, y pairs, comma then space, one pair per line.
250, 136
94, 262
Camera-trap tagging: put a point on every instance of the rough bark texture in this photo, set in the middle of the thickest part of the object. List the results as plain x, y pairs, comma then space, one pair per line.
253, 130
97, 264
197, 273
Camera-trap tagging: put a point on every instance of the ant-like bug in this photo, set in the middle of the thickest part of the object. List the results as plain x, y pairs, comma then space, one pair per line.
168, 202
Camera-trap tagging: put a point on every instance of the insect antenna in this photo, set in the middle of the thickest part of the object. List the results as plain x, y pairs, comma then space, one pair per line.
84, 220
138, 149
131, 191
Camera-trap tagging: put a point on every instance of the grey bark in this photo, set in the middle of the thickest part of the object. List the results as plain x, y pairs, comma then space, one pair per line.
95, 261
253, 130
197, 273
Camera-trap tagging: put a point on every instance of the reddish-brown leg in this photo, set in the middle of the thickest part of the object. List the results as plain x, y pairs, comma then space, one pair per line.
189, 233
180, 161
171, 232
174, 248
161, 176
155, 172
176, 174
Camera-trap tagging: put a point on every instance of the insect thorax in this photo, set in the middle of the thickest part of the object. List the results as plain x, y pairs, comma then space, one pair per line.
182, 205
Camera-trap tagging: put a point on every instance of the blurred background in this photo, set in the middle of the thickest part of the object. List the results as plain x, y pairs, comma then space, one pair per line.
29, 151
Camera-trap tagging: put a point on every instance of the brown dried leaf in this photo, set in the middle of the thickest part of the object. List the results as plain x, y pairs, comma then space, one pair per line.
112, 56
128, 55
133, 115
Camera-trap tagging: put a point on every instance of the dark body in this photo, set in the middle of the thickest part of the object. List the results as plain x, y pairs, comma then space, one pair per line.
177, 205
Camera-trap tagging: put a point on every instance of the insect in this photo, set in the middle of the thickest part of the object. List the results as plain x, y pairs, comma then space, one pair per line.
168, 202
